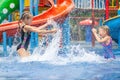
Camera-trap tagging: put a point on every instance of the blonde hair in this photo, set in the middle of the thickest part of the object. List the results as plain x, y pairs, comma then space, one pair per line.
106, 28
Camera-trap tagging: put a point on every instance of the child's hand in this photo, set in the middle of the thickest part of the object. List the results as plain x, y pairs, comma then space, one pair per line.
44, 35
94, 30
54, 30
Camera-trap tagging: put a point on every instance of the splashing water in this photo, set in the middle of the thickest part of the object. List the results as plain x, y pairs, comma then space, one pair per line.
53, 48
50, 54
78, 54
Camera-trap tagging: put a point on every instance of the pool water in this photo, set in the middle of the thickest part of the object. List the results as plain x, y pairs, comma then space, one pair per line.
12, 68
53, 63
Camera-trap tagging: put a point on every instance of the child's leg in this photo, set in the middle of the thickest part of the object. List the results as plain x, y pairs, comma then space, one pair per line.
23, 53
112, 55
106, 55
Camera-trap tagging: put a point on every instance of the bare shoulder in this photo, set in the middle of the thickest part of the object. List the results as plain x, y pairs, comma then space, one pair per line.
22, 25
27, 26
107, 37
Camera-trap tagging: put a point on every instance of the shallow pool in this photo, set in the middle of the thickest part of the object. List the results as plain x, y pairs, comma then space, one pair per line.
52, 63
74, 66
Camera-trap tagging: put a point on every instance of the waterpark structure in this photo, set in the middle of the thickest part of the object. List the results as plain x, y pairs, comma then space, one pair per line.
57, 10
106, 6
113, 22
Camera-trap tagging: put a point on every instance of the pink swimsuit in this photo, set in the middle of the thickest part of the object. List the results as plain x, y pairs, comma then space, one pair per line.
108, 53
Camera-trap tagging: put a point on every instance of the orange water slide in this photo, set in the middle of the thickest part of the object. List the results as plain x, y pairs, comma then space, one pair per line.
58, 12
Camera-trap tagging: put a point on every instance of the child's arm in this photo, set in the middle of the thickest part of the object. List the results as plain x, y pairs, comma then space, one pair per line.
49, 22
43, 26
98, 38
35, 29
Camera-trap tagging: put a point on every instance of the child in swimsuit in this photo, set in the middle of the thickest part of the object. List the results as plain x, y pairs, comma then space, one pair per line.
25, 29
105, 40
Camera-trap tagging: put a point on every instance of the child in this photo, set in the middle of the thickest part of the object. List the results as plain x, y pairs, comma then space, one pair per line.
105, 40
25, 29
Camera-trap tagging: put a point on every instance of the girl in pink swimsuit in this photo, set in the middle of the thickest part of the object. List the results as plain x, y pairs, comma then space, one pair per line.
105, 40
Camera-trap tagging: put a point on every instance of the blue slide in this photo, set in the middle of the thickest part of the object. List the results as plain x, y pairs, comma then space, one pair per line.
114, 25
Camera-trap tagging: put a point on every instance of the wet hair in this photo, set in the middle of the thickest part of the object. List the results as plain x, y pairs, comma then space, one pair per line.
25, 15
106, 28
